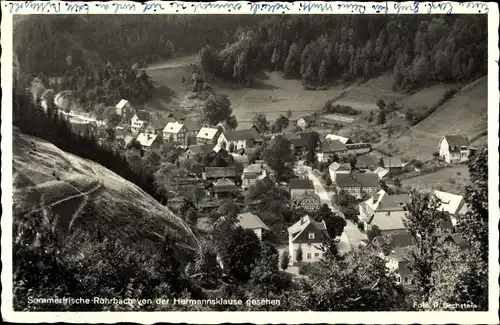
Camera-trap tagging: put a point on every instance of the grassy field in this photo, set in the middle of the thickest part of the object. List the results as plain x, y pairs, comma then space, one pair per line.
119, 207
465, 113
451, 179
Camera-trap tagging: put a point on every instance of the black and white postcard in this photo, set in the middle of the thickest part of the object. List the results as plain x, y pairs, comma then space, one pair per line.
193, 159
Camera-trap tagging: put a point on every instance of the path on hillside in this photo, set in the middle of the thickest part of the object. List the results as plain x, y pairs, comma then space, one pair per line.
173, 63
80, 194
84, 201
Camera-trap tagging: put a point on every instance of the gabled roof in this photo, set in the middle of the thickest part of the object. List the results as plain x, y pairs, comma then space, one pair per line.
307, 118
143, 115
385, 202
392, 162
335, 166
243, 159
257, 168
333, 146
220, 172
176, 115
381, 172
301, 184
207, 133
224, 184
239, 135
146, 140
357, 180
122, 103
191, 125
201, 148
397, 240
344, 140
456, 141
450, 203
121, 131
127, 139
173, 127
158, 123
297, 228
251, 221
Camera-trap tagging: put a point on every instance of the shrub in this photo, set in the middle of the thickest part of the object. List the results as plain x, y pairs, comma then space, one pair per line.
285, 259
459, 173
339, 109
435, 154
452, 181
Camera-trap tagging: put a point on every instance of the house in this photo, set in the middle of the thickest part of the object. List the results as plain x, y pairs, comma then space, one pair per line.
176, 133
381, 172
175, 117
124, 108
356, 183
329, 148
139, 121
242, 159
394, 165
454, 148
199, 149
344, 140
309, 201
300, 186
309, 235
387, 212
358, 148
128, 140
253, 171
223, 187
148, 141
251, 221
396, 260
121, 133
305, 121
454, 205
242, 126
336, 168
238, 140
215, 173
207, 135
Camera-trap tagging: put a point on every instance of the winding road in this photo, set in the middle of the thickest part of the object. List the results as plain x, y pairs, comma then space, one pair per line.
352, 237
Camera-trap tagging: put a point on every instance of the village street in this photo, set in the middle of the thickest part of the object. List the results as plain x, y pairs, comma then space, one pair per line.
352, 236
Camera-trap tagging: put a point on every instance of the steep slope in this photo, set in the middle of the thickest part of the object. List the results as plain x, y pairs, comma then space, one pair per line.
88, 196
465, 113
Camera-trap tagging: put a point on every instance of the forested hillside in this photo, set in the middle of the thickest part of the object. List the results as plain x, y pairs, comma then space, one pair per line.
418, 49
44, 43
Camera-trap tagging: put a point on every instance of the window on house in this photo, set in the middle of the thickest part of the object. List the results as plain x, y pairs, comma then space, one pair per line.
309, 244
311, 235
388, 213
316, 254
308, 256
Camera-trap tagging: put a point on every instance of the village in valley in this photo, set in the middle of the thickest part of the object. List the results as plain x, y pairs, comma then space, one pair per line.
316, 162
325, 175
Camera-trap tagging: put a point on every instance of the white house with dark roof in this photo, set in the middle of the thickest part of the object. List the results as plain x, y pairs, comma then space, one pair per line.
240, 139
207, 135
454, 148
251, 221
356, 183
329, 148
309, 235
139, 120
336, 168
147, 140
387, 212
175, 132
